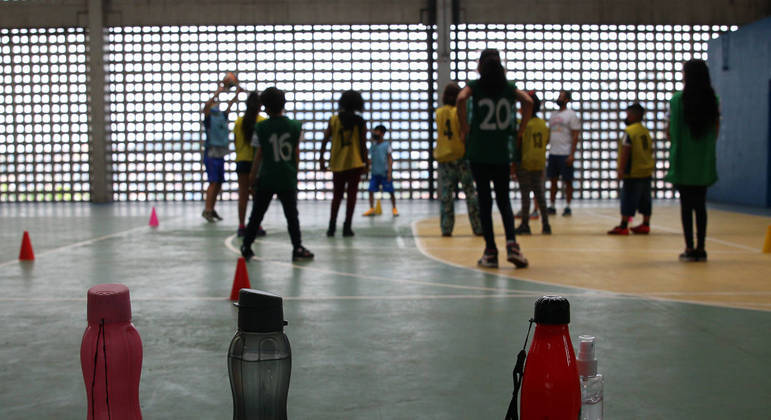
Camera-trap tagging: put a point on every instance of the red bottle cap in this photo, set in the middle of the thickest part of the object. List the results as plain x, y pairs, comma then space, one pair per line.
109, 302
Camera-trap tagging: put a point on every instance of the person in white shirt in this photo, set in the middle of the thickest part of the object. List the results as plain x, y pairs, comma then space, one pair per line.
564, 129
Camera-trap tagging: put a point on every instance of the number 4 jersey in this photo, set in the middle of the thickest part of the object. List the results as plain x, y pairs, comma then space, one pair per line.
640, 163
278, 138
448, 145
493, 124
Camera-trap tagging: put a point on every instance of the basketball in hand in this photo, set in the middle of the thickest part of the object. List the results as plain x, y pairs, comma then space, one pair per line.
230, 80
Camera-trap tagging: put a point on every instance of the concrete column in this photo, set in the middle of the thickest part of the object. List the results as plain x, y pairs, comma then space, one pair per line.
101, 185
444, 19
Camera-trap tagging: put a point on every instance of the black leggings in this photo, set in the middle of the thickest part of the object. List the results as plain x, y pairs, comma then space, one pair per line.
261, 202
693, 199
483, 174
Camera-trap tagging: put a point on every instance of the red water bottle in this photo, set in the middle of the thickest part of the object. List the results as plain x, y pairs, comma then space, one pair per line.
111, 355
550, 386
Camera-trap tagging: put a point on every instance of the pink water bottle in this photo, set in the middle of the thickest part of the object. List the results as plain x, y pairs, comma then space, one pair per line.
111, 355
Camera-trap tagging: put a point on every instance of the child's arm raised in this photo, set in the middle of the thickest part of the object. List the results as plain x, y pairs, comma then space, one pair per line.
527, 112
460, 106
235, 98
210, 103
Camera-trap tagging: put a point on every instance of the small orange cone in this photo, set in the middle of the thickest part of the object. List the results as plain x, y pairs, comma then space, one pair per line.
153, 219
767, 245
26, 253
240, 280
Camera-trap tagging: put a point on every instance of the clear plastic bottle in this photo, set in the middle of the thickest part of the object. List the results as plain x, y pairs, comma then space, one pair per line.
592, 383
259, 358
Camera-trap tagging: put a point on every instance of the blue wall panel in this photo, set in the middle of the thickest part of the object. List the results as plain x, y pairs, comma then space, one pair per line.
740, 65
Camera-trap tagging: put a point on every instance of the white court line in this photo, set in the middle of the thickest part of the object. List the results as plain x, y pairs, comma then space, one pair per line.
300, 298
600, 293
715, 293
590, 250
77, 244
425, 252
666, 229
229, 245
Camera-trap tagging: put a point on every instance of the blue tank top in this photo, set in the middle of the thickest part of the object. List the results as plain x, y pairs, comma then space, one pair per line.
216, 124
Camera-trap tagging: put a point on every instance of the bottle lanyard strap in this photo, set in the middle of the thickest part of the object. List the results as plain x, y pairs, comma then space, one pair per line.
517, 375
100, 334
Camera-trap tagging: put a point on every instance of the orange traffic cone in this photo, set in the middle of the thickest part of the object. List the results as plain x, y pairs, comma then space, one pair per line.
241, 279
26, 253
153, 219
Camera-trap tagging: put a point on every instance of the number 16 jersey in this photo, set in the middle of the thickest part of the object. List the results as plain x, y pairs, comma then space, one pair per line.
492, 124
278, 138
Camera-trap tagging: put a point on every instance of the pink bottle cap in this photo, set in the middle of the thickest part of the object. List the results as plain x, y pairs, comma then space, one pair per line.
110, 302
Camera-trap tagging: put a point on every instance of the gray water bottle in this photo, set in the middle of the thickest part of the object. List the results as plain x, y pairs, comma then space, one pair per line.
259, 358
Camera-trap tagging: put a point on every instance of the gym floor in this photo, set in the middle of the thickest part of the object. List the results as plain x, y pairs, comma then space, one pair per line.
396, 323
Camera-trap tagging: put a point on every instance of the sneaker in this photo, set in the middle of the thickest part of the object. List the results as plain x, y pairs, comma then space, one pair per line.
618, 230
514, 255
701, 255
395, 212
246, 252
535, 215
546, 230
446, 234
523, 229
261, 232
301, 254
567, 212
331, 230
241, 232
641, 230
489, 259
215, 215
690, 255
208, 216
347, 231
551, 210
370, 212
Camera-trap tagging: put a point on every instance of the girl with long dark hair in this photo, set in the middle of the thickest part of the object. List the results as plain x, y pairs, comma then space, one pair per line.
493, 122
348, 158
692, 131
244, 130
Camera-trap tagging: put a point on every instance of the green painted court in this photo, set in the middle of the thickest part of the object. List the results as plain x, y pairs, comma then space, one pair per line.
378, 329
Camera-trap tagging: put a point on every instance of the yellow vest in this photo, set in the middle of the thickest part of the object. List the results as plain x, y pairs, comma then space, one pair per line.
346, 153
449, 148
641, 163
534, 142
244, 149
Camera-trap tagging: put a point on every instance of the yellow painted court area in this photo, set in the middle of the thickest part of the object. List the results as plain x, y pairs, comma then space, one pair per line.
579, 253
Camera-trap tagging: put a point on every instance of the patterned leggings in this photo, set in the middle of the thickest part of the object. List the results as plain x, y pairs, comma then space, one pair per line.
450, 173
532, 181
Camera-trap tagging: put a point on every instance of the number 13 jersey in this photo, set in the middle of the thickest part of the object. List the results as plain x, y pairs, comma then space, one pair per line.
492, 124
278, 138
534, 142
